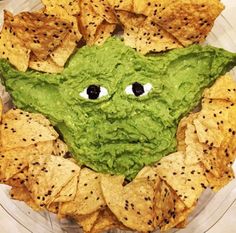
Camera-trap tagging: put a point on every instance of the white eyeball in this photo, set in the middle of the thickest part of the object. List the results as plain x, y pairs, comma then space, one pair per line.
94, 92
138, 89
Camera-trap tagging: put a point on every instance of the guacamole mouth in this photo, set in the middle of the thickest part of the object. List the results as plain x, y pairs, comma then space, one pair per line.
118, 110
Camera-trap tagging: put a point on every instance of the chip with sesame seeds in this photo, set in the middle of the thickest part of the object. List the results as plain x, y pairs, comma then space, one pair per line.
88, 198
11, 48
132, 203
103, 8
224, 88
104, 31
87, 221
182, 126
22, 129
131, 24
125, 5
49, 174
181, 20
169, 209
152, 37
22, 194
38, 32
215, 122
178, 175
59, 148
150, 8
10, 165
67, 10
47, 66
107, 221
61, 54
89, 21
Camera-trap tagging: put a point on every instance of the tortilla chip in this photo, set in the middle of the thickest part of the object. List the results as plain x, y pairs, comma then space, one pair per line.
194, 150
53, 207
89, 197
126, 5
70, 6
11, 165
215, 122
49, 175
104, 31
131, 25
132, 204
150, 8
216, 183
180, 135
87, 221
22, 194
61, 54
22, 129
189, 21
68, 192
104, 9
173, 170
152, 37
48, 65
169, 209
224, 88
106, 221
11, 48
60, 148
41, 33
66, 10
89, 21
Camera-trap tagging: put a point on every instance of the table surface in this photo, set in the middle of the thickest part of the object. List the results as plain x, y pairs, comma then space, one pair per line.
226, 222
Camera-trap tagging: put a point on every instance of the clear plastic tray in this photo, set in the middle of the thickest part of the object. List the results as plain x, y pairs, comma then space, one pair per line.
211, 207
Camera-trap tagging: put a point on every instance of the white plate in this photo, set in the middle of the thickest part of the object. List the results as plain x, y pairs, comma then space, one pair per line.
215, 213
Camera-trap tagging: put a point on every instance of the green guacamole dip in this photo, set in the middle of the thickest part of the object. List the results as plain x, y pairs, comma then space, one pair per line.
122, 130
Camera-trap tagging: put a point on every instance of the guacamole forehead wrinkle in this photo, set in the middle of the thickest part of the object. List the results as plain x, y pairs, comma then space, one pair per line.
119, 133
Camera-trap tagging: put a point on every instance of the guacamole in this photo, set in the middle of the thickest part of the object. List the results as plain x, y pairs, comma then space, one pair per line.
118, 110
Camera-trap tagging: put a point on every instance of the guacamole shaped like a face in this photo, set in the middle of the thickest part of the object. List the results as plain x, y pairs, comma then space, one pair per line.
116, 109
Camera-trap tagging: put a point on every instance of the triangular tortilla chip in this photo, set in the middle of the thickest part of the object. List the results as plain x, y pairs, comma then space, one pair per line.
48, 176
169, 209
88, 21
48, 65
22, 194
189, 21
106, 221
215, 122
41, 33
103, 9
61, 54
224, 88
126, 5
104, 31
150, 8
12, 49
132, 204
178, 175
22, 129
131, 25
89, 197
152, 37
87, 221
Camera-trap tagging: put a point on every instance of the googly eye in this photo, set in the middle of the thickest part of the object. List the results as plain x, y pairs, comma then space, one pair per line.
94, 92
138, 89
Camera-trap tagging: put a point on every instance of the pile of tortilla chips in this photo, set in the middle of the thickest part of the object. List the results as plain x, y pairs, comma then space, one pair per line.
38, 167
44, 40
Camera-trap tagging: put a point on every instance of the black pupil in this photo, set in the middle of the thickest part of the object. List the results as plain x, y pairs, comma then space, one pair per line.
137, 89
93, 91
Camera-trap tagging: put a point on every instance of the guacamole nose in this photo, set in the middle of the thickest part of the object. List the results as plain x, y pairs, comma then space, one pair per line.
116, 109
